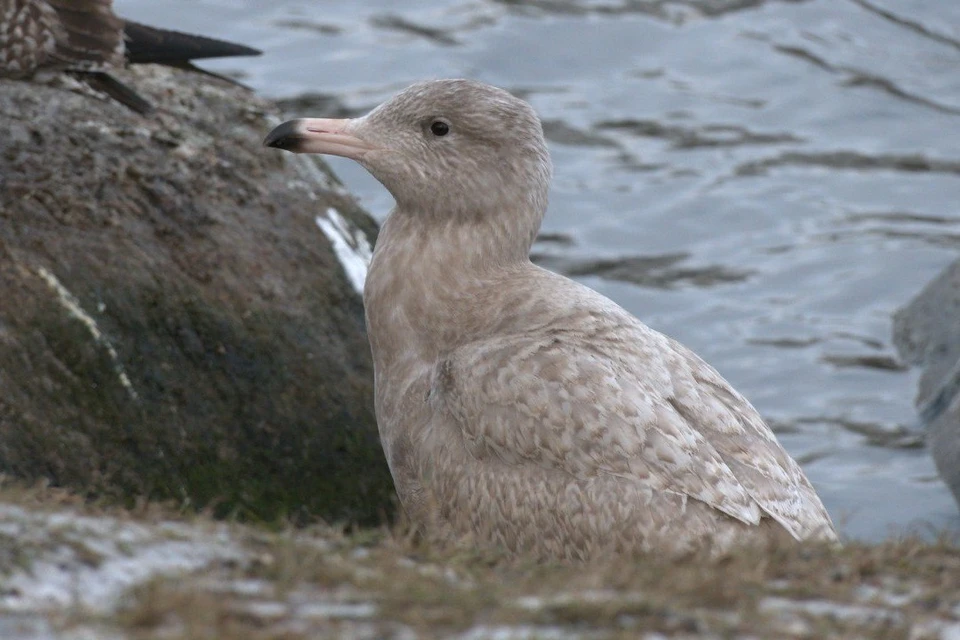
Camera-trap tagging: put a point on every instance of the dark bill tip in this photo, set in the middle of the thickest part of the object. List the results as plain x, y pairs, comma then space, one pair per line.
287, 136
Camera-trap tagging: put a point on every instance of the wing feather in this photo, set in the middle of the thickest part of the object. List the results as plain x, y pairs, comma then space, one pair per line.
639, 407
749, 447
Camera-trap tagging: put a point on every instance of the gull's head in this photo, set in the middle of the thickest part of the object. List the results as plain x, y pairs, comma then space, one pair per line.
444, 147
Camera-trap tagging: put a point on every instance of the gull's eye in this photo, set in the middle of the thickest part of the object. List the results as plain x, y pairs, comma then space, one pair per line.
439, 128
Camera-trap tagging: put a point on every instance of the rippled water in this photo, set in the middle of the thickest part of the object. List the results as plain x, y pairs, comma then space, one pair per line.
766, 181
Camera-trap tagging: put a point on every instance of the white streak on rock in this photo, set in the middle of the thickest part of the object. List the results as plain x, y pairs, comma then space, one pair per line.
70, 302
349, 244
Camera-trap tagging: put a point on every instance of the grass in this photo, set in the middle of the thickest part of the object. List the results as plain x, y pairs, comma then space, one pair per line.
890, 588
324, 581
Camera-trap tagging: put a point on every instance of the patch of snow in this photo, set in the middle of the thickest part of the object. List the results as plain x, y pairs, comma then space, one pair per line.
248, 587
933, 629
91, 562
950, 632
89, 633
825, 608
360, 553
888, 596
25, 627
525, 632
592, 596
353, 611
265, 609
350, 246
29, 626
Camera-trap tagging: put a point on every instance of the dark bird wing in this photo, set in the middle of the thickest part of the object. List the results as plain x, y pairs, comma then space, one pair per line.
87, 39
105, 83
58, 35
162, 46
91, 35
146, 44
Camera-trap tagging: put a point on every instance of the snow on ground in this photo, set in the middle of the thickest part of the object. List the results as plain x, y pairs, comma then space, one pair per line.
67, 574
63, 559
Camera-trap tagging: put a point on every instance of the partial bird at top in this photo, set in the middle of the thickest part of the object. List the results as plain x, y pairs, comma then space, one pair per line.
518, 407
86, 38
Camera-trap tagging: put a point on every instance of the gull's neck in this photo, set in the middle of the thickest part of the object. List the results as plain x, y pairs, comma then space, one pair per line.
432, 282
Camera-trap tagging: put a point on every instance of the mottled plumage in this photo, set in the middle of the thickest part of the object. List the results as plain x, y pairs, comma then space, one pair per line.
516, 406
86, 38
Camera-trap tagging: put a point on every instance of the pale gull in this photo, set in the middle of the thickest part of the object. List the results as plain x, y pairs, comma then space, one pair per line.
517, 407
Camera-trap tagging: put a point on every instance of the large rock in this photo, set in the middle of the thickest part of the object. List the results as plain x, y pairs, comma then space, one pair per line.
179, 314
927, 333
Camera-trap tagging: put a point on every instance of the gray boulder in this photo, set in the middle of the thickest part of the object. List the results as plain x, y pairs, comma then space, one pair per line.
927, 333
179, 314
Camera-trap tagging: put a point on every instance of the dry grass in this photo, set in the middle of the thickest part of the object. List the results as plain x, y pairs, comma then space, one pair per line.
324, 582
438, 593
40, 496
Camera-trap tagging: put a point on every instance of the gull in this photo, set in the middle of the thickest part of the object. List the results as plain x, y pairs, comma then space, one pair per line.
516, 407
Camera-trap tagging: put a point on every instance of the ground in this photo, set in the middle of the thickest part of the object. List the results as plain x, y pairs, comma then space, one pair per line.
75, 570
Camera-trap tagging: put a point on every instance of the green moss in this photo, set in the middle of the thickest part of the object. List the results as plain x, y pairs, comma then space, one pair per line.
224, 417
250, 388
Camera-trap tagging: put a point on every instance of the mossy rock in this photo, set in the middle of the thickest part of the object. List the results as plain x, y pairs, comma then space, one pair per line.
173, 323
